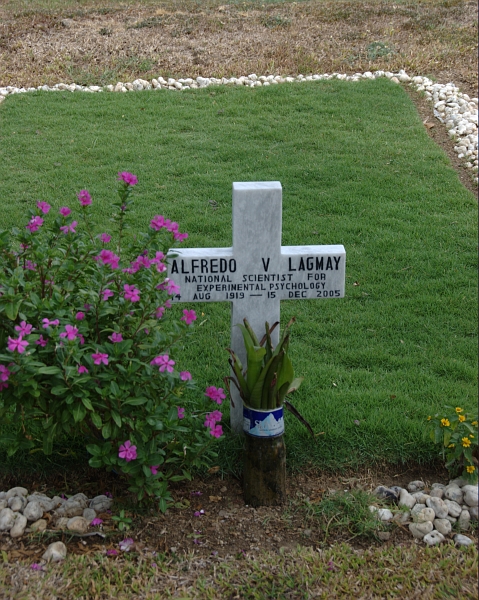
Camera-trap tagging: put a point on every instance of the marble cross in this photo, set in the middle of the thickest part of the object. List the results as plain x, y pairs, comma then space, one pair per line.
256, 272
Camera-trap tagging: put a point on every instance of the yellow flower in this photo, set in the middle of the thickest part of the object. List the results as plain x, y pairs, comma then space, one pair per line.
470, 469
458, 410
471, 435
451, 446
474, 423
462, 418
445, 422
466, 442
429, 418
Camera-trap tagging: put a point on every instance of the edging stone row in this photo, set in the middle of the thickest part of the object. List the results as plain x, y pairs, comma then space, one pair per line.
432, 515
457, 111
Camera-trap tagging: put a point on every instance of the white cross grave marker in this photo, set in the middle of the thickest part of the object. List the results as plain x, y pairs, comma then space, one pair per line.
257, 272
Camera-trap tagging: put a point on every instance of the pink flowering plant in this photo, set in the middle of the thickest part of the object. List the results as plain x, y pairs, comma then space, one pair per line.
87, 345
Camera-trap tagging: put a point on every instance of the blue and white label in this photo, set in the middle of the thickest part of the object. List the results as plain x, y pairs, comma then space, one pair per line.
263, 423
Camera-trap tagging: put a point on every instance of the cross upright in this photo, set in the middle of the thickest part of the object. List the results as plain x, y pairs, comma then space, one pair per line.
256, 272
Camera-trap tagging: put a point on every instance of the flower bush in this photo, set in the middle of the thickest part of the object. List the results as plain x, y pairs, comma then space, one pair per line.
456, 432
87, 345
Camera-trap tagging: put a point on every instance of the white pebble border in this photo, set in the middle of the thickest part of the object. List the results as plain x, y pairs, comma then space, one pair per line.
457, 111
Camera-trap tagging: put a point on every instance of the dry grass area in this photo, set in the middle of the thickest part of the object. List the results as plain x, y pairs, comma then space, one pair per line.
108, 41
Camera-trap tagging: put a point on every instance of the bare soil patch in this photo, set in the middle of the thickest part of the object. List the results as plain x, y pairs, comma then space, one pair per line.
210, 517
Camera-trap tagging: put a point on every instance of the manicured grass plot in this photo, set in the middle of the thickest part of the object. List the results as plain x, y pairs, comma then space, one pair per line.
357, 169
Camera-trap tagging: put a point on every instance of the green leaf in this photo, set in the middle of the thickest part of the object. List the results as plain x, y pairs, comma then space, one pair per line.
87, 403
12, 308
59, 390
93, 449
135, 401
116, 417
96, 462
49, 371
79, 412
115, 390
96, 419
106, 431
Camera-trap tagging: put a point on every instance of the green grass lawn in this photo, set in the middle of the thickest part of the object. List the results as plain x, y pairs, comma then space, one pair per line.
358, 169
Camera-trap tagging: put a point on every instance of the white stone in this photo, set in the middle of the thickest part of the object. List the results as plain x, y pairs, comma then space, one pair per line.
405, 499
70, 509
101, 503
425, 514
419, 530
454, 493
416, 486
7, 519
39, 526
443, 525
55, 552
89, 514
16, 491
462, 540
78, 524
3, 503
17, 503
417, 508
473, 511
470, 495
464, 520
402, 517
459, 481
384, 514
33, 511
61, 522
439, 507
453, 508
19, 526
434, 538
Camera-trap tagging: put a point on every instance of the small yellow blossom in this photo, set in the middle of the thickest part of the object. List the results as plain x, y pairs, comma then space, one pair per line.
451, 446
470, 469
474, 423
429, 418
471, 435
466, 442
458, 410
445, 422
462, 418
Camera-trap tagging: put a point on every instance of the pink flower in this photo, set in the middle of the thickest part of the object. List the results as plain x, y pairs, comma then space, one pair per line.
105, 238
64, 211
181, 412
70, 332
84, 197
80, 316
172, 288
4, 373
35, 224
188, 316
107, 257
127, 451
36, 567
42, 341
157, 222
19, 345
44, 207
81, 369
216, 431
96, 522
185, 376
24, 328
132, 293
216, 394
154, 469
128, 178
100, 358
112, 552
69, 228
211, 418
199, 513
3, 386
180, 237
164, 362
172, 226
167, 304
160, 311
127, 543
30, 266
107, 294
116, 337
48, 323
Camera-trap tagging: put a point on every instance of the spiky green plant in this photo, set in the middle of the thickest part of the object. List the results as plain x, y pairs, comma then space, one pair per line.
269, 374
